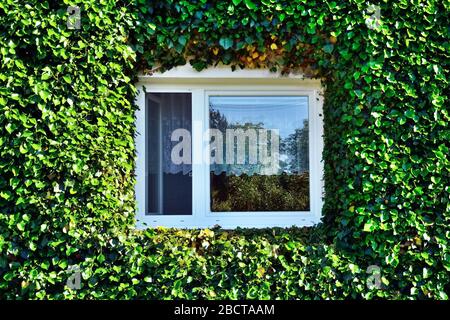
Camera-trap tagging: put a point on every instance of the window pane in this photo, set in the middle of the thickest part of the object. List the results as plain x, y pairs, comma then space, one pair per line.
169, 169
259, 153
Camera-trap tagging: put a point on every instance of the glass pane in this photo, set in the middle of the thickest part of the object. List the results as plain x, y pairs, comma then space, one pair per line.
259, 157
169, 169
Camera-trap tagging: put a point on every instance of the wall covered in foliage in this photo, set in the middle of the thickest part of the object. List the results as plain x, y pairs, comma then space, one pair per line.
67, 149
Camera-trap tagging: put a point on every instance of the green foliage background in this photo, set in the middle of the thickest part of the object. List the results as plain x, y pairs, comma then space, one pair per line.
285, 192
67, 149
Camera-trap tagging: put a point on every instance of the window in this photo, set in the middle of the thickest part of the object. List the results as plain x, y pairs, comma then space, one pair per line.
235, 149
261, 162
169, 184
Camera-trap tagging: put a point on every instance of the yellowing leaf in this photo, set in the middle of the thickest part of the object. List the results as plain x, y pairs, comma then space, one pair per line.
261, 271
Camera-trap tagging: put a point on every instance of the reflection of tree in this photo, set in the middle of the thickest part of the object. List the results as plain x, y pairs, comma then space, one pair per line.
296, 147
245, 187
217, 120
247, 125
260, 192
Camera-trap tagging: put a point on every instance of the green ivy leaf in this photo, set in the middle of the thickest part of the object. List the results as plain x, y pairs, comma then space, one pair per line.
226, 43
250, 5
67, 78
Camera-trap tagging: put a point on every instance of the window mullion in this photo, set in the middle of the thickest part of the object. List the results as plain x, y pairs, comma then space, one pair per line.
198, 127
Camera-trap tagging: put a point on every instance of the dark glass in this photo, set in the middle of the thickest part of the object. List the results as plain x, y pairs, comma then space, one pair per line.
169, 183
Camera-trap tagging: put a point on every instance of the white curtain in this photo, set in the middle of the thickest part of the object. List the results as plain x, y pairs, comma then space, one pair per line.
172, 111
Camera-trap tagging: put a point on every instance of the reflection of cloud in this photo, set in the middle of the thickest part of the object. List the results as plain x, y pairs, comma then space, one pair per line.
285, 113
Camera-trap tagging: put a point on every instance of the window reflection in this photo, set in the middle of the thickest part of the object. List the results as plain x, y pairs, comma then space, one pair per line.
260, 153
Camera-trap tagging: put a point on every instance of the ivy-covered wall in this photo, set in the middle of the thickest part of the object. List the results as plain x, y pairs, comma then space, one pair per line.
67, 149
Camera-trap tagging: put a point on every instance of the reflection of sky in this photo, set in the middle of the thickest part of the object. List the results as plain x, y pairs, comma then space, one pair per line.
285, 113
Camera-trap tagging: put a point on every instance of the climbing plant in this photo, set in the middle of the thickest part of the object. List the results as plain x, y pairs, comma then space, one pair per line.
67, 149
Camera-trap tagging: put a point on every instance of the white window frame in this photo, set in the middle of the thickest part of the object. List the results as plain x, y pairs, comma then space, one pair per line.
223, 81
